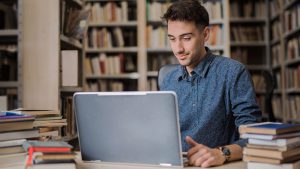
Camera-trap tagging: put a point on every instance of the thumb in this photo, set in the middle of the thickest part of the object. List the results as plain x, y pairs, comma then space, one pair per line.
190, 141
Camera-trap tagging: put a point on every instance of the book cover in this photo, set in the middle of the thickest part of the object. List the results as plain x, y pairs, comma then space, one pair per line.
13, 135
277, 142
44, 146
271, 153
269, 128
248, 158
270, 136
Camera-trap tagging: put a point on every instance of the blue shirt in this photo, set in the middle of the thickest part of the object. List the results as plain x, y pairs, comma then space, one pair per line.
214, 101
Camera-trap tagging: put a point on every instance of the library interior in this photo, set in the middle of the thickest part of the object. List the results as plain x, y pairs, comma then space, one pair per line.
51, 49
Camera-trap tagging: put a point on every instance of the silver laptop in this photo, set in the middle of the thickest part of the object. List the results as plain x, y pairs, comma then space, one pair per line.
129, 127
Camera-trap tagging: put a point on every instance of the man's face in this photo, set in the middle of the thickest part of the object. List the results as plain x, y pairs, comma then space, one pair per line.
187, 42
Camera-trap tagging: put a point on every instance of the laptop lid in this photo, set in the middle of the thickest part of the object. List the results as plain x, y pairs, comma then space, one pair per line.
129, 127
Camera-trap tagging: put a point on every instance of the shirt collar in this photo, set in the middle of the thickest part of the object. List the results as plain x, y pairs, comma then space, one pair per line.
201, 69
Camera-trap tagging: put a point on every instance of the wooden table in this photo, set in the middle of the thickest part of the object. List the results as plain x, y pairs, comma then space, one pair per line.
19, 163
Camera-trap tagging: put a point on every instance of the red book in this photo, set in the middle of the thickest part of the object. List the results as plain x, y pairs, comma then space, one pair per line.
47, 146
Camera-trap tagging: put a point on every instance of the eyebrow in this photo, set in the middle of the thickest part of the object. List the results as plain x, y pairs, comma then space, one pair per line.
169, 35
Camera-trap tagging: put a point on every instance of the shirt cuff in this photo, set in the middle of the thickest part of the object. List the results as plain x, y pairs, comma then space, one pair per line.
241, 142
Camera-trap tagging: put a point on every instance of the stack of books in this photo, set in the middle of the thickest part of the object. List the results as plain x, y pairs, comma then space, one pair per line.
48, 122
271, 145
14, 129
49, 154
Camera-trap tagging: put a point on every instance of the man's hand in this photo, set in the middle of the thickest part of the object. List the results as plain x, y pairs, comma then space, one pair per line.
202, 156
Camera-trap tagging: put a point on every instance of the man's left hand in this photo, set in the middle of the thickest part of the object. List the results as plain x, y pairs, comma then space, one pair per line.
202, 156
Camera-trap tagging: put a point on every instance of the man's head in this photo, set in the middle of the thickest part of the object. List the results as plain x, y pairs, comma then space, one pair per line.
187, 22
187, 10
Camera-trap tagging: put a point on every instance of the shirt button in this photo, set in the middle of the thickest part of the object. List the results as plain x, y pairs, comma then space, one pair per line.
194, 104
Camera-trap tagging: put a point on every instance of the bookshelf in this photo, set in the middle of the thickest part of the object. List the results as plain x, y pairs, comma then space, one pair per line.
112, 57
249, 41
52, 70
158, 50
148, 53
10, 55
290, 15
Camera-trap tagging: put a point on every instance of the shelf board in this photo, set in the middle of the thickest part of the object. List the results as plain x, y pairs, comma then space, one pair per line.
216, 21
277, 91
292, 62
115, 49
71, 41
71, 89
156, 23
256, 67
9, 32
260, 92
152, 73
119, 76
6, 84
248, 44
291, 33
113, 24
153, 50
277, 66
247, 20
293, 91
216, 47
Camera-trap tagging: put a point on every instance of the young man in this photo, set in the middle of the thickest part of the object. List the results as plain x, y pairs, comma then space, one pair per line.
215, 93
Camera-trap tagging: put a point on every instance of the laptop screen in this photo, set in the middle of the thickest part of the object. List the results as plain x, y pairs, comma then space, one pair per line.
129, 127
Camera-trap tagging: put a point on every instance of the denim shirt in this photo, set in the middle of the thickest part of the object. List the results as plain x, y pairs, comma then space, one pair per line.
214, 101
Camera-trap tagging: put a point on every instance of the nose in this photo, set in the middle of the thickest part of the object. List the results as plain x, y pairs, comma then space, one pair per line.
179, 47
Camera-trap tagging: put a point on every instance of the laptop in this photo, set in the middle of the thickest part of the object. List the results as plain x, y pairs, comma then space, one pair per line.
129, 127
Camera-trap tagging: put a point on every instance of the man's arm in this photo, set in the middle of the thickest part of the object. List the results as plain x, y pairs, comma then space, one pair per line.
202, 156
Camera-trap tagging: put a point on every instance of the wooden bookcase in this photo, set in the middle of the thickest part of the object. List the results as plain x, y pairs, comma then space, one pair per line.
151, 50
285, 21
10, 54
249, 36
45, 44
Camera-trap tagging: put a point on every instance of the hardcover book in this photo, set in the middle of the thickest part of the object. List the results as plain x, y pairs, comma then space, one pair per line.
269, 128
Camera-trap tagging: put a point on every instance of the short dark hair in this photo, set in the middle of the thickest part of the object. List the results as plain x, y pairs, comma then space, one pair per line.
187, 10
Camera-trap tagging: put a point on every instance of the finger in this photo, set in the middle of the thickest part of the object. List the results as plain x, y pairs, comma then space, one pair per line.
198, 148
199, 161
209, 162
197, 154
190, 141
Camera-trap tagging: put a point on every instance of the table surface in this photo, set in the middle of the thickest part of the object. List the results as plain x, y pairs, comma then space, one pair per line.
19, 163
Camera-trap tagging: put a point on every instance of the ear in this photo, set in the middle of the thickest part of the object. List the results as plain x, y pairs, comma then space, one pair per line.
206, 33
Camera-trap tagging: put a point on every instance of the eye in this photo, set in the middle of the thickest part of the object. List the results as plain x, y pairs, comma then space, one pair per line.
172, 39
186, 38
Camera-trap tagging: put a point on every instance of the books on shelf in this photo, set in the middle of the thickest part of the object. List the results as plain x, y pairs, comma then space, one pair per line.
8, 15
111, 37
116, 64
108, 12
73, 21
155, 10
214, 8
242, 33
248, 9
